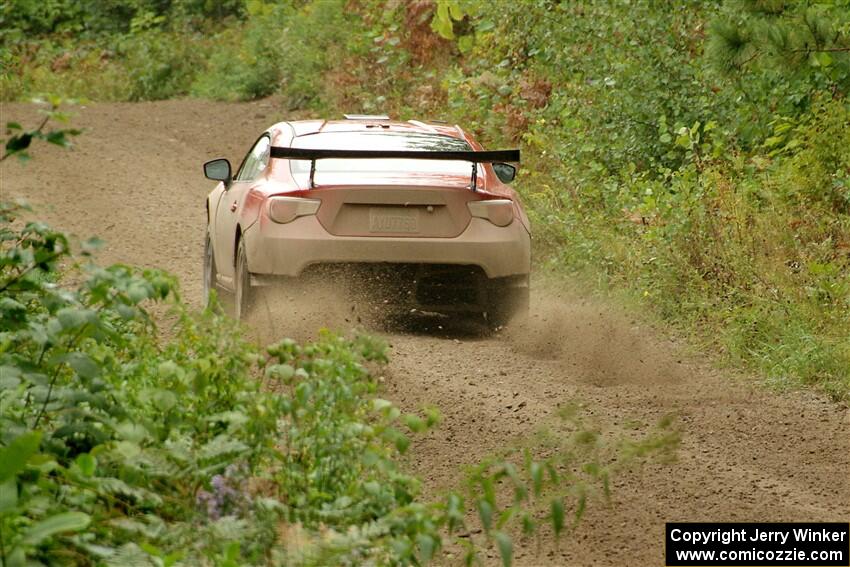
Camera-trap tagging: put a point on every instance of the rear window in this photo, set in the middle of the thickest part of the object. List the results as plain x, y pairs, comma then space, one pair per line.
381, 141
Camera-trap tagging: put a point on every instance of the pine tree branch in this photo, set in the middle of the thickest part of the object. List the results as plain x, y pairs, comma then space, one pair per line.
755, 54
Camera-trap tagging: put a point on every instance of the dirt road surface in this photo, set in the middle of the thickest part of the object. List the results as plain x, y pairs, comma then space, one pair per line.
746, 453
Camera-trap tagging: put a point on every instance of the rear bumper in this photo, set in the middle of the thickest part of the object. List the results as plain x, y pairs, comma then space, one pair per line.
288, 249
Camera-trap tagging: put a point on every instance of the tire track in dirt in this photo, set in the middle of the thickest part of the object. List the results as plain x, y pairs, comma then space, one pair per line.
747, 454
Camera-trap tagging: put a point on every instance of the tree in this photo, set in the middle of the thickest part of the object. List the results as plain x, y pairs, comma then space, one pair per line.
805, 41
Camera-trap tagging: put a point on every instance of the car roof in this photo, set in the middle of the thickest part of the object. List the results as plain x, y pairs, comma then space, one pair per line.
306, 127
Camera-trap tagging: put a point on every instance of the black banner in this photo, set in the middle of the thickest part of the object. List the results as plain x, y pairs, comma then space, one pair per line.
764, 545
471, 156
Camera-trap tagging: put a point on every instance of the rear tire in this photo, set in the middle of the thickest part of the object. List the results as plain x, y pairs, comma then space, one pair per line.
244, 296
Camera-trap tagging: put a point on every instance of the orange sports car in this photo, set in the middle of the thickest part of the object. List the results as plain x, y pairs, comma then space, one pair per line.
419, 207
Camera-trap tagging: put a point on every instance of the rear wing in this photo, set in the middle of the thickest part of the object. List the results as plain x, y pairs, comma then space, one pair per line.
497, 156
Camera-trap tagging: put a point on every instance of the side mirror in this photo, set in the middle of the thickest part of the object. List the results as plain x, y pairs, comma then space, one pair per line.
505, 172
218, 170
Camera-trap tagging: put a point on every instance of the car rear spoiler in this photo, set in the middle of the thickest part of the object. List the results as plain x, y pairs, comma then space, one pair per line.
474, 157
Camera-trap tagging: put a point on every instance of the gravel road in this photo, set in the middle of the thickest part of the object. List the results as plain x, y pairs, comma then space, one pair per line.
746, 453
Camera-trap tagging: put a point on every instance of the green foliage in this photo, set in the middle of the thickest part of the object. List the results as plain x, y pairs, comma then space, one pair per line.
448, 11
805, 41
160, 65
19, 140
118, 442
779, 56
818, 167
35, 18
121, 50
109, 432
68, 68
248, 62
237, 75
313, 41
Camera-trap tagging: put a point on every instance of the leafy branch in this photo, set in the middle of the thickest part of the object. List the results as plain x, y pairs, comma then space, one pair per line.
20, 139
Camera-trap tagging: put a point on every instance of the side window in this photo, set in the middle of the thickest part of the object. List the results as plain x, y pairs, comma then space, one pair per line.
256, 161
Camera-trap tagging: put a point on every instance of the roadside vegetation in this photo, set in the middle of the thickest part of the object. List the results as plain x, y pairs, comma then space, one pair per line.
696, 157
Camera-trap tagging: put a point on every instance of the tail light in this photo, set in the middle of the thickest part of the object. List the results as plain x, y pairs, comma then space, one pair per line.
498, 211
286, 209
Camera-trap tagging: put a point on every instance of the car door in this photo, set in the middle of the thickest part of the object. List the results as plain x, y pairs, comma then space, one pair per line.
229, 208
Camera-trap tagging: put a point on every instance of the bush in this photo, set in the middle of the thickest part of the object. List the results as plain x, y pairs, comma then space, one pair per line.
109, 433
313, 44
119, 441
246, 61
818, 171
160, 64
282, 48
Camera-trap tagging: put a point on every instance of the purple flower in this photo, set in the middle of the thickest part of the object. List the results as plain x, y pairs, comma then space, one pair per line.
225, 497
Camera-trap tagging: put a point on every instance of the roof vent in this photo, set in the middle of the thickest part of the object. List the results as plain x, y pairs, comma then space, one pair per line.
366, 117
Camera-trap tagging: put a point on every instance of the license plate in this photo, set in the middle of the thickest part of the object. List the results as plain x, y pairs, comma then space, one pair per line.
395, 219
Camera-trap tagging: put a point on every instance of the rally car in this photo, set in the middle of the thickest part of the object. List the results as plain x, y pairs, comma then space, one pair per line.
419, 207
